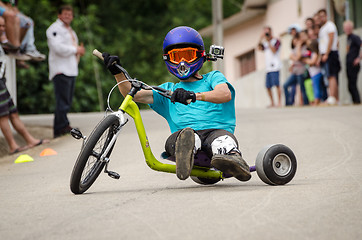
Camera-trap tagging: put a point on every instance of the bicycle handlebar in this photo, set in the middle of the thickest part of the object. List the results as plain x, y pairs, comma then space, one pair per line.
161, 91
99, 55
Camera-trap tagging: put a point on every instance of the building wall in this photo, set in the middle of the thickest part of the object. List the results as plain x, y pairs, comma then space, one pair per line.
251, 91
241, 40
279, 15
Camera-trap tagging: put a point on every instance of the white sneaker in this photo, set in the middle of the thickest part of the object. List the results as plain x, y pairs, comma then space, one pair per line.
19, 56
36, 55
331, 100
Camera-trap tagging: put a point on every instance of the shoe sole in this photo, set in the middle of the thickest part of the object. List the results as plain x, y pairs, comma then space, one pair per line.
36, 58
21, 57
231, 167
184, 153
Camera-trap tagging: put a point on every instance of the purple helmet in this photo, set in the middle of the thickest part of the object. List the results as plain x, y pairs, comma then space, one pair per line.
183, 37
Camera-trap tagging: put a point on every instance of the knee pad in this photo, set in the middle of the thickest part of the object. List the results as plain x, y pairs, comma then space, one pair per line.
224, 145
197, 143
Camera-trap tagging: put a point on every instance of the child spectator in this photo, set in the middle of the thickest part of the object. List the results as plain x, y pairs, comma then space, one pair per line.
9, 112
297, 69
27, 49
314, 70
10, 38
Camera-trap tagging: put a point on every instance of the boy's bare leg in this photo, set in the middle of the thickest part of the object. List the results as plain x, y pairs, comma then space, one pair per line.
12, 25
6, 130
270, 93
23, 32
21, 129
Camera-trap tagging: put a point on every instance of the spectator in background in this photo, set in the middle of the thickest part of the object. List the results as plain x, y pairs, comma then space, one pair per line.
311, 34
314, 70
352, 60
27, 39
328, 48
9, 112
309, 23
271, 48
297, 69
317, 23
316, 19
27, 34
294, 29
64, 54
10, 39
316, 29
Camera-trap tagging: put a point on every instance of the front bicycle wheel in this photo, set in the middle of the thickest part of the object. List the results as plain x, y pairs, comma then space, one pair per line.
89, 165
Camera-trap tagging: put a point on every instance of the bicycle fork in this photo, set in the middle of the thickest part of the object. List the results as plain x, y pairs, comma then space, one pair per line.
104, 158
77, 134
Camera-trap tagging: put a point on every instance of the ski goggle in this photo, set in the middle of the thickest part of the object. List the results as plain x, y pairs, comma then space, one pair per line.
188, 55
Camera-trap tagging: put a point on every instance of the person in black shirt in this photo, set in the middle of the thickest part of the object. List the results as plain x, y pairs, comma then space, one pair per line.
352, 60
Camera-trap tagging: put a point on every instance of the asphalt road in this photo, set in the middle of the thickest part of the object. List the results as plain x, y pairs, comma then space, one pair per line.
323, 201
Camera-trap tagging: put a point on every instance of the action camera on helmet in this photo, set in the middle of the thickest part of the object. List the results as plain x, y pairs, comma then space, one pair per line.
216, 52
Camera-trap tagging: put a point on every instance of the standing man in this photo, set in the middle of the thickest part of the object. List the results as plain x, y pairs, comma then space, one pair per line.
328, 48
271, 48
64, 54
352, 60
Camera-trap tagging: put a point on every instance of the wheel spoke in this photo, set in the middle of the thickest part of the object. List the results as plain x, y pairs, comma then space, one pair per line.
94, 158
89, 163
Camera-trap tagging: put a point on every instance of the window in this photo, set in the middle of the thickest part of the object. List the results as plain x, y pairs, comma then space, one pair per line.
355, 8
247, 63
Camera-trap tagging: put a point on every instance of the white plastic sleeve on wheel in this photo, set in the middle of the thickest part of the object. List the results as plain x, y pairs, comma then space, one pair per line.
224, 145
197, 143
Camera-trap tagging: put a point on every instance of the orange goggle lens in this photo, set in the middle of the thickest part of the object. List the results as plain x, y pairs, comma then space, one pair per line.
184, 54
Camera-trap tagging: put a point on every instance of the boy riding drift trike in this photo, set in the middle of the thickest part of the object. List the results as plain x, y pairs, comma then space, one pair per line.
200, 111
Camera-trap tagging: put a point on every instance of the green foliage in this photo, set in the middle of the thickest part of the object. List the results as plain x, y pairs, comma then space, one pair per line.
131, 29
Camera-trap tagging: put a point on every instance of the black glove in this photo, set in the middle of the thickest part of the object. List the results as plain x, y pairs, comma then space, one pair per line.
181, 95
109, 60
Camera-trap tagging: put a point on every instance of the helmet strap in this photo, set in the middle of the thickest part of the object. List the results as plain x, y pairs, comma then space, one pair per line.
197, 76
183, 69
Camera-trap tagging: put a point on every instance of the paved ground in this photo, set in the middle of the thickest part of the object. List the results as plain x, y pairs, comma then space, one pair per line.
323, 201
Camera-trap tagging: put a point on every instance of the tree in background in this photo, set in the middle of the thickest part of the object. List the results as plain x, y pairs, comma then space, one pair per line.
131, 29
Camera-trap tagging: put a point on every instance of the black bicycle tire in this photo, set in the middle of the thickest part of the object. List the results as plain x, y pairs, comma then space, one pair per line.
204, 181
76, 186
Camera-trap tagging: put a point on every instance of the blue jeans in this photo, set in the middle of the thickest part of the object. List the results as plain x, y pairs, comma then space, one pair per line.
64, 90
317, 85
292, 81
28, 43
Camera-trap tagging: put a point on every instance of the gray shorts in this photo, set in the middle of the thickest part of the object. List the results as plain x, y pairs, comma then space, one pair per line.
207, 136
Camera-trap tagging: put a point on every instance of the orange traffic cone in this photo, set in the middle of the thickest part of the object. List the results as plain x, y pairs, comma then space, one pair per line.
48, 152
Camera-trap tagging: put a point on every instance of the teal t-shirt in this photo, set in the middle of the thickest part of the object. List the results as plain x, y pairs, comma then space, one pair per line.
199, 115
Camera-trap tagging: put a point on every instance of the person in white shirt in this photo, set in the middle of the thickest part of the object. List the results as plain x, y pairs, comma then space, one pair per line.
328, 49
64, 55
271, 48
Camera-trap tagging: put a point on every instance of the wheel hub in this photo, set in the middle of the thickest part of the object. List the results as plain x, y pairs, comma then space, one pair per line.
282, 164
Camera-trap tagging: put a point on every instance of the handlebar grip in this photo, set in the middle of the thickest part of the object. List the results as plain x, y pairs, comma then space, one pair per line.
97, 54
